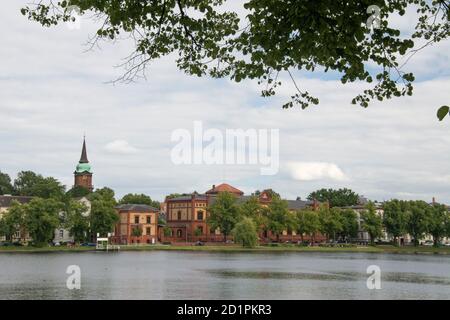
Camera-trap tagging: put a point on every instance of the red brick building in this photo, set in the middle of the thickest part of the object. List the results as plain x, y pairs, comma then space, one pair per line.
186, 216
138, 224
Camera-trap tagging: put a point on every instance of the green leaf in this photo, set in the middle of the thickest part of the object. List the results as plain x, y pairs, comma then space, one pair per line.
442, 112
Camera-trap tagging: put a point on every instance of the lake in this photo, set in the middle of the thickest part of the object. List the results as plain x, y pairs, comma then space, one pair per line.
204, 275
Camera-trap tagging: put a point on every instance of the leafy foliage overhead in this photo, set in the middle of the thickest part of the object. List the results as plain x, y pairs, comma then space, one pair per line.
275, 39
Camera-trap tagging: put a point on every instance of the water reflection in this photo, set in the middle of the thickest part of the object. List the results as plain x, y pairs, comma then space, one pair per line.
418, 278
200, 275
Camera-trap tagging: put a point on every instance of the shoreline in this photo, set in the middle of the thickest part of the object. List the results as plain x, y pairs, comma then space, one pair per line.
239, 249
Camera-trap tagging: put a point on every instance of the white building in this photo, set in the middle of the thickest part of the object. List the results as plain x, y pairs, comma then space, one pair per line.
63, 235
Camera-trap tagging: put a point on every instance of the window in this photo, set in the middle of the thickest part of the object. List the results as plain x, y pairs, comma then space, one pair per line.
179, 215
61, 233
136, 219
200, 230
147, 230
149, 219
200, 215
179, 233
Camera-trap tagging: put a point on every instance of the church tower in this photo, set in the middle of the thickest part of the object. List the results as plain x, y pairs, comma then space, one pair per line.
83, 171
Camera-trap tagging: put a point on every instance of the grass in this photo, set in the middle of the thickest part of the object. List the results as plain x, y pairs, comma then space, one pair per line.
237, 248
11, 249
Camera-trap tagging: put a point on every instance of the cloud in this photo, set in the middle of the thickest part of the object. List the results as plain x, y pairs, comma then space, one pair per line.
309, 171
120, 146
51, 92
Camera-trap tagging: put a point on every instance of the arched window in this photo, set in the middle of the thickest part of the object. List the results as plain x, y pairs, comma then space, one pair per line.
179, 215
200, 215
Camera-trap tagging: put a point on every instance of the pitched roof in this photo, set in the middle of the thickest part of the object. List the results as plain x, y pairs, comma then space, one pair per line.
224, 187
136, 208
83, 158
6, 201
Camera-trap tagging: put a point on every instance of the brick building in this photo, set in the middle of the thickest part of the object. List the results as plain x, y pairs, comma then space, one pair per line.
186, 215
83, 171
138, 224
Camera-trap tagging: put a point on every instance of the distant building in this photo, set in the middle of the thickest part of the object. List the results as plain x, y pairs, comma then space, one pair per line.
187, 215
63, 235
6, 202
363, 236
138, 224
83, 171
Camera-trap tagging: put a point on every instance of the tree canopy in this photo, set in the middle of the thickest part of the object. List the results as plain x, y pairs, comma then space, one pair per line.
5, 184
245, 233
275, 39
139, 199
335, 198
223, 213
103, 215
29, 183
372, 222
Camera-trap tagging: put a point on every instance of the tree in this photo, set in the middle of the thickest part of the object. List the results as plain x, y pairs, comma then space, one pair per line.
76, 220
105, 194
5, 184
270, 192
336, 198
197, 232
167, 231
276, 39
372, 222
29, 183
278, 217
439, 222
223, 213
78, 192
417, 220
103, 217
395, 218
139, 199
251, 208
136, 232
245, 233
349, 221
13, 221
307, 223
42, 218
330, 222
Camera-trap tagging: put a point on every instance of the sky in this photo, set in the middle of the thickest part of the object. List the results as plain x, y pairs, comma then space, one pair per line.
53, 91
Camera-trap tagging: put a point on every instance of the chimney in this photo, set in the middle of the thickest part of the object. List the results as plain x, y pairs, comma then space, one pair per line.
214, 186
434, 201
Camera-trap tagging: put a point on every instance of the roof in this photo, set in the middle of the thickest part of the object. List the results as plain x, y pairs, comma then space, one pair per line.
189, 198
136, 208
299, 204
83, 158
224, 187
6, 201
292, 204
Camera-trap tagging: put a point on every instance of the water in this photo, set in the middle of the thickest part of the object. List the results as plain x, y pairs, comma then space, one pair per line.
202, 275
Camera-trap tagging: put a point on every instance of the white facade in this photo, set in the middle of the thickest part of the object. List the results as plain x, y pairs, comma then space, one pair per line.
63, 235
